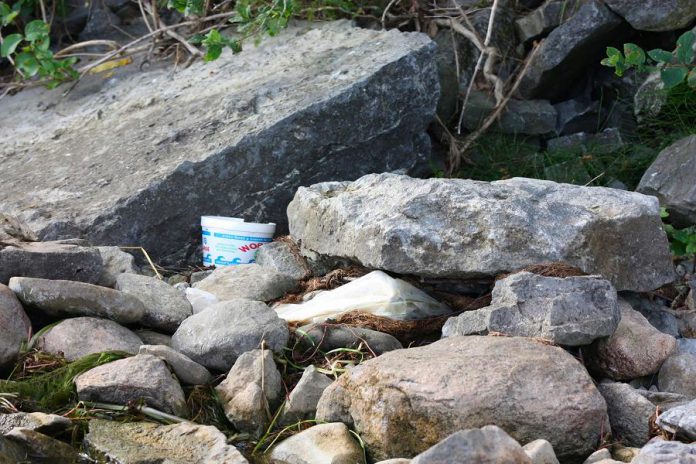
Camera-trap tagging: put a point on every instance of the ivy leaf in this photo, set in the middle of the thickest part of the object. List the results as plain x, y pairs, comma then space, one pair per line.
664, 213
661, 56
635, 56
9, 44
213, 52
36, 30
673, 76
7, 15
178, 5
685, 47
27, 64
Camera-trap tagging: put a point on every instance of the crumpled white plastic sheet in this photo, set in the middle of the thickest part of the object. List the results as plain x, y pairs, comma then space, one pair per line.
376, 293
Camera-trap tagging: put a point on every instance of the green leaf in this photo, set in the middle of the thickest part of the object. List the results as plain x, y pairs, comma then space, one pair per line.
635, 56
673, 76
664, 213
9, 44
36, 30
678, 249
213, 52
27, 64
685, 47
691, 79
196, 39
194, 7
178, 5
213, 37
661, 56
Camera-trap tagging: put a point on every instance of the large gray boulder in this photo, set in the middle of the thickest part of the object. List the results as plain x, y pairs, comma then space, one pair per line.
62, 298
217, 336
15, 326
405, 401
466, 228
50, 260
80, 336
165, 306
487, 445
678, 374
140, 378
571, 311
43, 423
655, 15
251, 391
233, 147
146, 443
321, 444
188, 372
561, 56
671, 179
635, 349
660, 451
302, 401
247, 281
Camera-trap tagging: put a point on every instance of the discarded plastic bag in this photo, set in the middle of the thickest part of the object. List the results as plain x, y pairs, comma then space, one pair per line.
200, 299
374, 293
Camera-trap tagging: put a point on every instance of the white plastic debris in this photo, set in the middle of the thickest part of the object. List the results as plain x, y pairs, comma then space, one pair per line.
200, 299
374, 293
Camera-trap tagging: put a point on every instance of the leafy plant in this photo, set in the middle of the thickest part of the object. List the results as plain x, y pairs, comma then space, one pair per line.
682, 241
675, 67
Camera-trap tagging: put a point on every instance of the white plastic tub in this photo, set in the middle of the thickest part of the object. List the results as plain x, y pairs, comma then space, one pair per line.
229, 241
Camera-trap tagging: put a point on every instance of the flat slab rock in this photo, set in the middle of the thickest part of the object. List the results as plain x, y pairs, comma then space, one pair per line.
304, 107
146, 443
466, 228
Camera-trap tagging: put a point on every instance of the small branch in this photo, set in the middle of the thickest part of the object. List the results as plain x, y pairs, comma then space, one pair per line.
89, 43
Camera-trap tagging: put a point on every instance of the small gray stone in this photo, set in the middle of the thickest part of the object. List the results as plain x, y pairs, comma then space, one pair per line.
487, 445
15, 326
247, 281
147, 443
150, 337
656, 313
636, 348
533, 117
188, 372
302, 401
680, 420
80, 336
253, 387
50, 260
165, 307
659, 451
44, 449
601, 455
62, 298
216, 337
327, 337
571, 311
116, 262
321, 444
678, 374
45, 423
655, 15
629, 413
142, 377
540, 452
558, 58
670, 178
281, 257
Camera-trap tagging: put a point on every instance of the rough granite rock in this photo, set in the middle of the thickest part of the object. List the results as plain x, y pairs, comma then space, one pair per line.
636, 348
82, 174
141, 377
540, 452
187, 371
216, 337
303, 399
321, 444
466, 228
658, 314
533, 117
41, 448
659, 451
571, 311
147, 443
43, 423
487, 445
252, 388
165, 306
562, 55
405, 401
15, 326
543, 20
678, 374
680, 420
281, 257
655, 15
629, 413
50, 260
247, 281
670, 178
80, 336
116, 262
150, 337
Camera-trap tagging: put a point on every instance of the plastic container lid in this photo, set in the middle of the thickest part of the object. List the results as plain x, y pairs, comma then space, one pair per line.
237, 224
